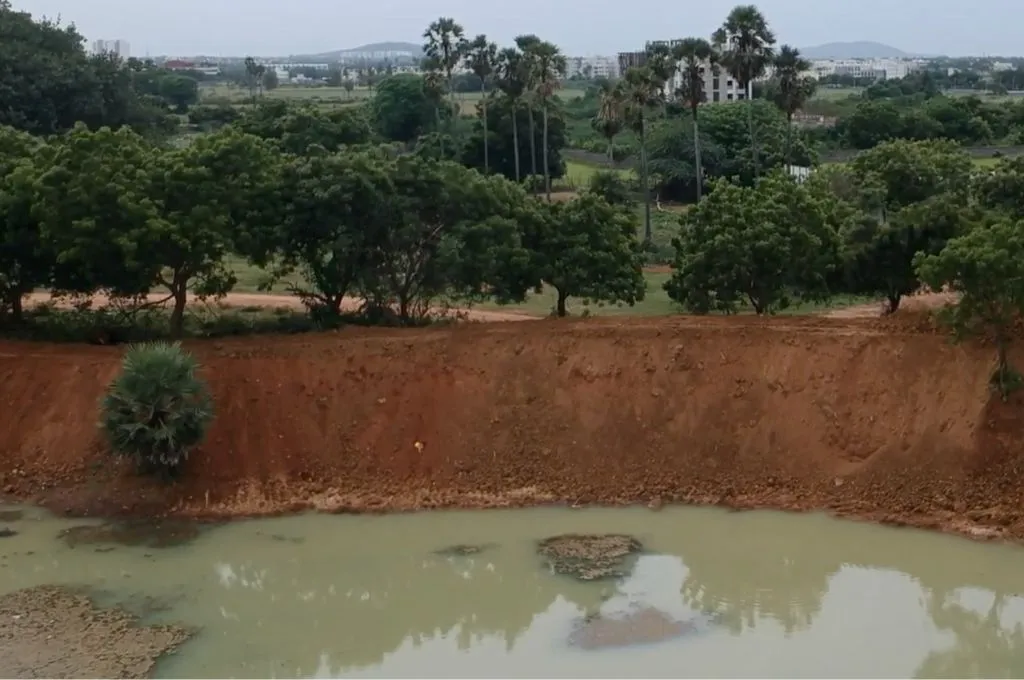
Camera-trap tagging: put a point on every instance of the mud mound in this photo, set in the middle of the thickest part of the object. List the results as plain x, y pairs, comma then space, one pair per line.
893, 423
150, 534
48, 632
589, 557
642, 626
462, 550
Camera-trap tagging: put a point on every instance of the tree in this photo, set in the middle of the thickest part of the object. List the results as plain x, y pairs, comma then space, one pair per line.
986, 266
642, 91
695, 55
507, 144
402, 108
662, 63
512, 83
270, 80
157, 410
793, 88
481, 60
349, 86
527, 45
254, 73
745, 43
762, 245
297, 127
445, 46
26, 260
610, 118
911, 172
587, 248
1003, 187
550, 69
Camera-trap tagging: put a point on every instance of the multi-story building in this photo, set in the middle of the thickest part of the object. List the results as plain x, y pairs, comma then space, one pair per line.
592, 67
719, 85
868, 69
118, 47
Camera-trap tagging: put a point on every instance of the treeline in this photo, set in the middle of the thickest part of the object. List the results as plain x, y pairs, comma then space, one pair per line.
108, 211
898, 217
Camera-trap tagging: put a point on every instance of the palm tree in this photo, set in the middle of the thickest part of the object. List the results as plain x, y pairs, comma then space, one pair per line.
433, 88
512, 83
445, 43
527, 44
550, 69
662, 63
793, 88
643, 89
481, 59
696, 57
745, 44
610, 113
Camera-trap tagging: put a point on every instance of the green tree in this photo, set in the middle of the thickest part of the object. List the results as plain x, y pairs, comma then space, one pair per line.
986, 267
481, 59
26, 260
610, 118
745, 43
445, 45
642, 91
550, 69
254, 73
402, 108
911, 172
763, 245
507, 144
527, 45
695, 55
793, 87
870, 124
270, 80
180, 92
1003, 187
158, 409
296, 127
587, 248
512, 83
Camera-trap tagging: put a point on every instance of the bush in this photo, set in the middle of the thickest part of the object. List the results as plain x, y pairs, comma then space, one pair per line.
157, 409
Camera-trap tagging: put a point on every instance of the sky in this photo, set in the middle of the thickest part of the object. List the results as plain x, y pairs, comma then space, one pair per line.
579, 27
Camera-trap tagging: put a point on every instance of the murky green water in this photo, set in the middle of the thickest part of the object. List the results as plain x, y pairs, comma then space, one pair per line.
751, 594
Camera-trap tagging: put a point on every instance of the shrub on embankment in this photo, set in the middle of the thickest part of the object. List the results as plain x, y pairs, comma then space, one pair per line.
157, 410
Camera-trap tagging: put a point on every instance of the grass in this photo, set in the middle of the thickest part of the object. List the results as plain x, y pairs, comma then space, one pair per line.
332, 97
579, 174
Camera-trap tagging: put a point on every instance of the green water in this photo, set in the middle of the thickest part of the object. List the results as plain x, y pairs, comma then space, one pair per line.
762, 594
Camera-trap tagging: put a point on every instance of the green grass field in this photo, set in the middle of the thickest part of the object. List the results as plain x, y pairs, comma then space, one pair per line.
330, 97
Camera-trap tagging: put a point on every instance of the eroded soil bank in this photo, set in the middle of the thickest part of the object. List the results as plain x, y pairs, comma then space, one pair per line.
881, 419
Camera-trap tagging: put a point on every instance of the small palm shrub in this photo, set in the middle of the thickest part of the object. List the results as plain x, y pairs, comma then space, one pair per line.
157, 409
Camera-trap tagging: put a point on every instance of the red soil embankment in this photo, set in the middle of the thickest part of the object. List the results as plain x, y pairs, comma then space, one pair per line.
865, 417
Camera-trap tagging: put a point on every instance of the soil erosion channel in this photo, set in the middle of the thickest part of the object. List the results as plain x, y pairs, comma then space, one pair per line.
881, 419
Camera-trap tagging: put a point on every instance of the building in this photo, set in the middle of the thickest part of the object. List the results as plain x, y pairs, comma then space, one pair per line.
118, 47
867, 69
592, 67
628, 60
719, 85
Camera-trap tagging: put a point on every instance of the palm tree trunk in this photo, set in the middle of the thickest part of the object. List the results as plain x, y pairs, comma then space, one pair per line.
644, 180
440, 137
753, 137
611, 150
698, 166
515, 139
487, 140
544, 150
533, 142
789, 140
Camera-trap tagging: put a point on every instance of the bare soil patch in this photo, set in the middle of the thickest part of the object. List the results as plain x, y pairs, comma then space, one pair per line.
50, 632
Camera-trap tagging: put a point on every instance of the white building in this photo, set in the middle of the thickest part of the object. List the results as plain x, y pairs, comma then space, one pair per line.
118, 47
871, 69
592, 67
719, 85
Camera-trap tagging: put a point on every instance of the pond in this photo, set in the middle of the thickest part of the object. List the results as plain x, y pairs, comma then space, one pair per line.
683, 592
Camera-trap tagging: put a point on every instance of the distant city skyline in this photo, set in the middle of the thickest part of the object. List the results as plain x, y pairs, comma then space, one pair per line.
579, 27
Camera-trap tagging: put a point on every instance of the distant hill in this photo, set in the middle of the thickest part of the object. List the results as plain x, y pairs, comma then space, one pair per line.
862, 49
363, 49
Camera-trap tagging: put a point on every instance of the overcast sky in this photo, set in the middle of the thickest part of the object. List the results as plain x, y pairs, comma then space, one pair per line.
580, 27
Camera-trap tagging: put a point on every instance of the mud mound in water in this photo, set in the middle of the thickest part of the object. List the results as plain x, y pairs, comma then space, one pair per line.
49, 632
7, 533
462, 550
11, 515
643, 626
589, 557
155, 534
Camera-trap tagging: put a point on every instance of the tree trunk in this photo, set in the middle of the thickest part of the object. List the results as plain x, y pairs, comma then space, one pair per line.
560, 310
644, 180
789, 140
611, 149
487, 140
533, 142
515, 140
544, 150
699, 167
753, 137
180, 293
16, 308
894, 302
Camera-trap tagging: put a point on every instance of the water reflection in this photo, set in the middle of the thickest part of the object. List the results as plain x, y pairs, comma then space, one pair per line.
762, 594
